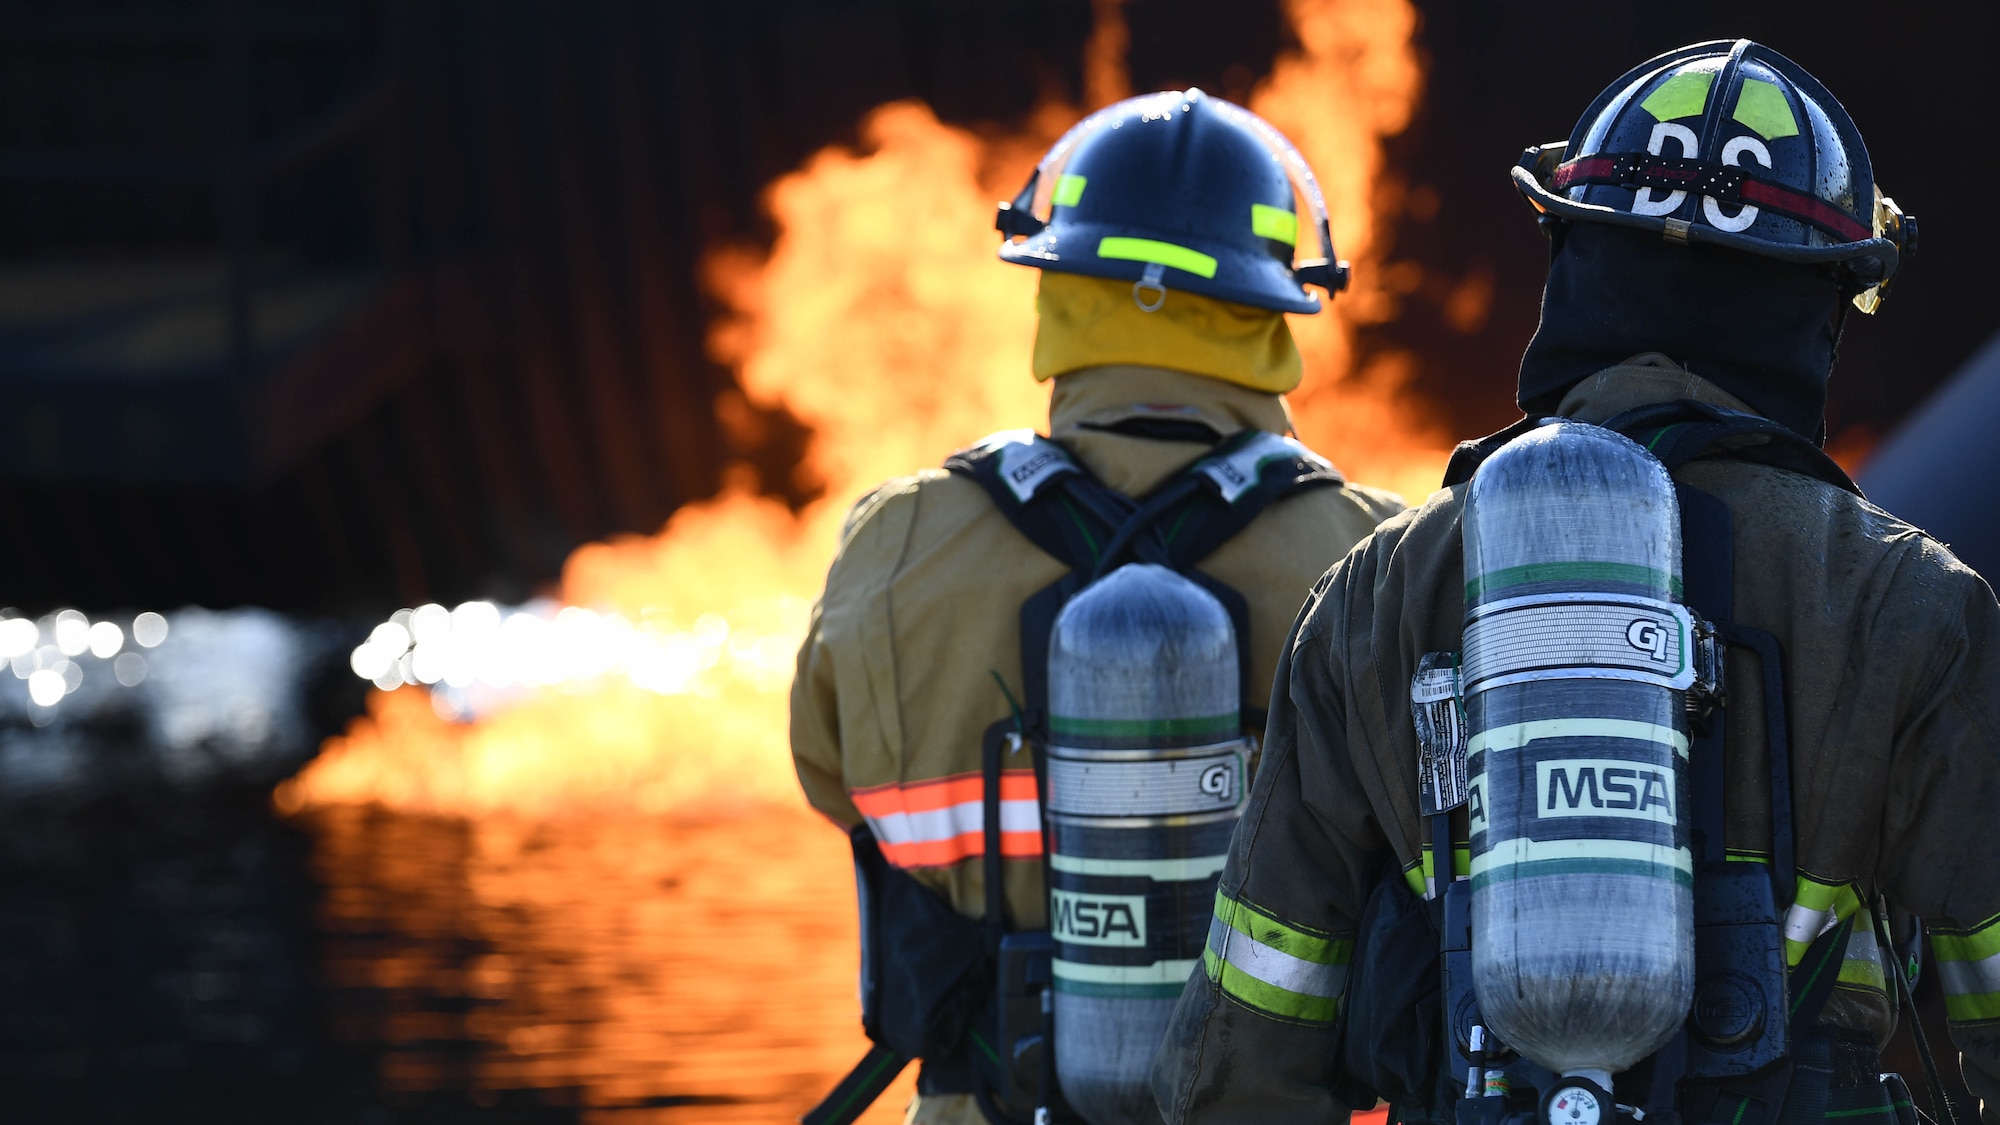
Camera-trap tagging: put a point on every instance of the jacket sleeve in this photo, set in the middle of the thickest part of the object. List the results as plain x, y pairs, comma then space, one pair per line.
1937, 855
1253, 1036
817, 753
815, 729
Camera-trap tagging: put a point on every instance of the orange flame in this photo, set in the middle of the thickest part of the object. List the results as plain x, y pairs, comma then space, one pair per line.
882, 319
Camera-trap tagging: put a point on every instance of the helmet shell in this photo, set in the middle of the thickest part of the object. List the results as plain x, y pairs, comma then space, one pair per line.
1197, 186
1725, 142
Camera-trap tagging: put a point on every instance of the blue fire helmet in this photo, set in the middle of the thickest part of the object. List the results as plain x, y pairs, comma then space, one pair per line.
1728, 144
1178, 190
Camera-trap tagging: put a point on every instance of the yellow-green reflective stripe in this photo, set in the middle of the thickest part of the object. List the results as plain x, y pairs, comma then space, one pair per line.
1266, 997
1069, 190
1762, 106
1975, 1008
1261, 926
1816, 908
1163, 253
1683, 95
1274, 223
1976, 944
1863, 964
1513, 736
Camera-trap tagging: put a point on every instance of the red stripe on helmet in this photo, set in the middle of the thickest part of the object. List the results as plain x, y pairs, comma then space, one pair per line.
1806, 208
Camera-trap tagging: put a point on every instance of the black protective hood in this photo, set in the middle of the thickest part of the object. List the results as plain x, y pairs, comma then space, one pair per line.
1763, 330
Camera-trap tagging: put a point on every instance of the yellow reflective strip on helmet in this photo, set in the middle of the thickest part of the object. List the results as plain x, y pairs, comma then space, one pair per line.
1762, 106
1069, 190
1683, 95
1274, 223
1161, 253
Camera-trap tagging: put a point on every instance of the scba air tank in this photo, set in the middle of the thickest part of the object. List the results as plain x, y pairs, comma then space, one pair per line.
1146, 765
1577, 658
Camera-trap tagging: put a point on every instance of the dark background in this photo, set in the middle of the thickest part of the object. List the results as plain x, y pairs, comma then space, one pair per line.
347, 305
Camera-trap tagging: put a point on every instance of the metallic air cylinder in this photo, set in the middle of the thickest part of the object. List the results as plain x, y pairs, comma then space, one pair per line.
1577, 659
1146, 772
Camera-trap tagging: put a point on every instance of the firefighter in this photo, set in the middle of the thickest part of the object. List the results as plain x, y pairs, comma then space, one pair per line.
1172, 243
1715, 222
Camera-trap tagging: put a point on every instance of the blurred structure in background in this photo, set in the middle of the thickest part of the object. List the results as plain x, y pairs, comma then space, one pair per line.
1939, 469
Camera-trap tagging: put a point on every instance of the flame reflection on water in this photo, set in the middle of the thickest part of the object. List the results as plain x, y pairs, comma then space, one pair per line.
671, 969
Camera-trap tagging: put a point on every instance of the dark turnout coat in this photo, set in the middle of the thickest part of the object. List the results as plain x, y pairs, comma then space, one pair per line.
1892, 652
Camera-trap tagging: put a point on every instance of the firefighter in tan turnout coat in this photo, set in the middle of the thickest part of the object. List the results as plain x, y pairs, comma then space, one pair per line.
1166, 341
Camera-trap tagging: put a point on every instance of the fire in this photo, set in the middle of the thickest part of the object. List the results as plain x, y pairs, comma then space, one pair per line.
881, 318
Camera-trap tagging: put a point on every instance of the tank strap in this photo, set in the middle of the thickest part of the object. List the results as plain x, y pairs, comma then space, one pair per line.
1092, 528
1678, 432
1681, 431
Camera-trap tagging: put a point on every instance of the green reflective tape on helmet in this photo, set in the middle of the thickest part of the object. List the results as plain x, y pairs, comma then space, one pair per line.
1274, 223
1161, 253
1069, 190
1762, 106
1683, 95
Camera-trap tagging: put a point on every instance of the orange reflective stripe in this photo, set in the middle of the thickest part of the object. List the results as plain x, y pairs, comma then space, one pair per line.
926, 796
941, 822
964, 846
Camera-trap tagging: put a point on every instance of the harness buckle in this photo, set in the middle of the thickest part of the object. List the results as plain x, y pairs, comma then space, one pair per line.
1709, 690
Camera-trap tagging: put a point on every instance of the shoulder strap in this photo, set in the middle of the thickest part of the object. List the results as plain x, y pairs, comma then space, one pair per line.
1678, 432
1681, 431
1092, 528
1469, 455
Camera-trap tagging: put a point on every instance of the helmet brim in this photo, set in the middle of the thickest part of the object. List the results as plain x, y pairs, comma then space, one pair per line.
1882, 250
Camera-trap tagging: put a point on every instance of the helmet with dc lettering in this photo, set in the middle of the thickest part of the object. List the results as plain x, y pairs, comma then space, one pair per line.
1178, 190
1729, 144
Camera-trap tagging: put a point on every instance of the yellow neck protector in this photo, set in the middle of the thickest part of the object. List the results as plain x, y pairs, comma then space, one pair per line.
1092, 322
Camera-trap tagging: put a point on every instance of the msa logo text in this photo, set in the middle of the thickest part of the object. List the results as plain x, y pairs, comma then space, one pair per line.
1026, 472
1090, 919
1604, 787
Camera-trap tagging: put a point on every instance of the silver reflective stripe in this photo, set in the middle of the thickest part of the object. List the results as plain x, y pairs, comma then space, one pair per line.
1159, 972
1803, 923
1516, 735
1863, 964
1970, 978
1275, 967
952, 821
1165, 870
